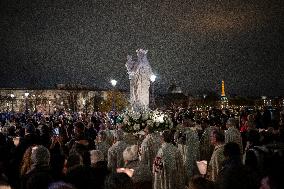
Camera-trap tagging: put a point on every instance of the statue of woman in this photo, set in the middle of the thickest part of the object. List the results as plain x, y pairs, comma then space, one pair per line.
139, 75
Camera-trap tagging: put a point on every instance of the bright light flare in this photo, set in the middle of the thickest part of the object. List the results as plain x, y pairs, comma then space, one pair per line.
113, 82
153, 78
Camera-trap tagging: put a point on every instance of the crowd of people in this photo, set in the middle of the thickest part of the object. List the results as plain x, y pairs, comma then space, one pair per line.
93, 151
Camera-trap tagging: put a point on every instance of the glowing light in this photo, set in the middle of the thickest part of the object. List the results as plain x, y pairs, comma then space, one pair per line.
113, 82
153, 78
159, 118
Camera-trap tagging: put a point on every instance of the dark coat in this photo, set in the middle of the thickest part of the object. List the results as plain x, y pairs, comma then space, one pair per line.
38, 178
234, 175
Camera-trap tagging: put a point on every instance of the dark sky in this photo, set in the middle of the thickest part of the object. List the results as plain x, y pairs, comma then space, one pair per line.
193, 43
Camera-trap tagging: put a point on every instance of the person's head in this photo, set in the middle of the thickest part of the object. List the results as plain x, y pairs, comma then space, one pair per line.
90, 125
60, 185
131, 153
96, 156
148, 130
251, 125
79, 128
118, 181
40, 156
264, 183
180, 137
118, 135
166, 136
102, 125
4, 185
231, 123
251, 117
232, 150
272, 181
217, 137
198, 182
102, 136
43, 130
30, 129
187, 122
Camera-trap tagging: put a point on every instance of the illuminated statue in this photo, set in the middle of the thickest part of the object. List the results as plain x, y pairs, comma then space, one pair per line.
139, 75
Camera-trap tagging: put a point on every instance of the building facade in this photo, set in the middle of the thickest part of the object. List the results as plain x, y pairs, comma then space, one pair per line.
50, 100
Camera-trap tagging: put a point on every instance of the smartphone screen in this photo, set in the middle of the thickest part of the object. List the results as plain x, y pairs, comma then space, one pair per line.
56, 131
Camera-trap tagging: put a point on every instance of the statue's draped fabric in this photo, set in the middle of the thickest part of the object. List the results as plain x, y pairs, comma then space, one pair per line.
139, 75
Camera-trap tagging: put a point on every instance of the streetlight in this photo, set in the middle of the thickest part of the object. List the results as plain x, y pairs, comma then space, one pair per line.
62, 103
35, 97
49, 102
26, 99
12, 98
153, 79
84, 105
113, 83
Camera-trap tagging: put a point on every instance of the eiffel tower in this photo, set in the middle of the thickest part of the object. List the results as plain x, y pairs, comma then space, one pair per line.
224, 99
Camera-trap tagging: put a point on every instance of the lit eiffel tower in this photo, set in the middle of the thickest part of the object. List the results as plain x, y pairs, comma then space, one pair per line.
223, 89
224, 99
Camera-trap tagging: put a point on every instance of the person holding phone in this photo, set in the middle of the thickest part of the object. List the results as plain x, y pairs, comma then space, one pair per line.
80, 143
56, 138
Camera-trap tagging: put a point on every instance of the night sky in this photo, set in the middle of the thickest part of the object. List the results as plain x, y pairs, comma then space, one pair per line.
192, 43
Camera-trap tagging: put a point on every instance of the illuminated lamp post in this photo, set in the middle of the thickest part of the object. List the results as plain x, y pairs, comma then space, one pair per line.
113, 83
62, 105
26, 100
153, 79
12, 99
49, 102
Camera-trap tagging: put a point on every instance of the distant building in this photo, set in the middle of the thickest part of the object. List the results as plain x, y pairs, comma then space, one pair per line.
173, 89
174, 97
64, 97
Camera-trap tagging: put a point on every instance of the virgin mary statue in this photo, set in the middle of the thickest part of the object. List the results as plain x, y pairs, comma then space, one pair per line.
139, 72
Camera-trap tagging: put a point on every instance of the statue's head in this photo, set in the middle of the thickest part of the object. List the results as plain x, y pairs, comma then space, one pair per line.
141, 53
